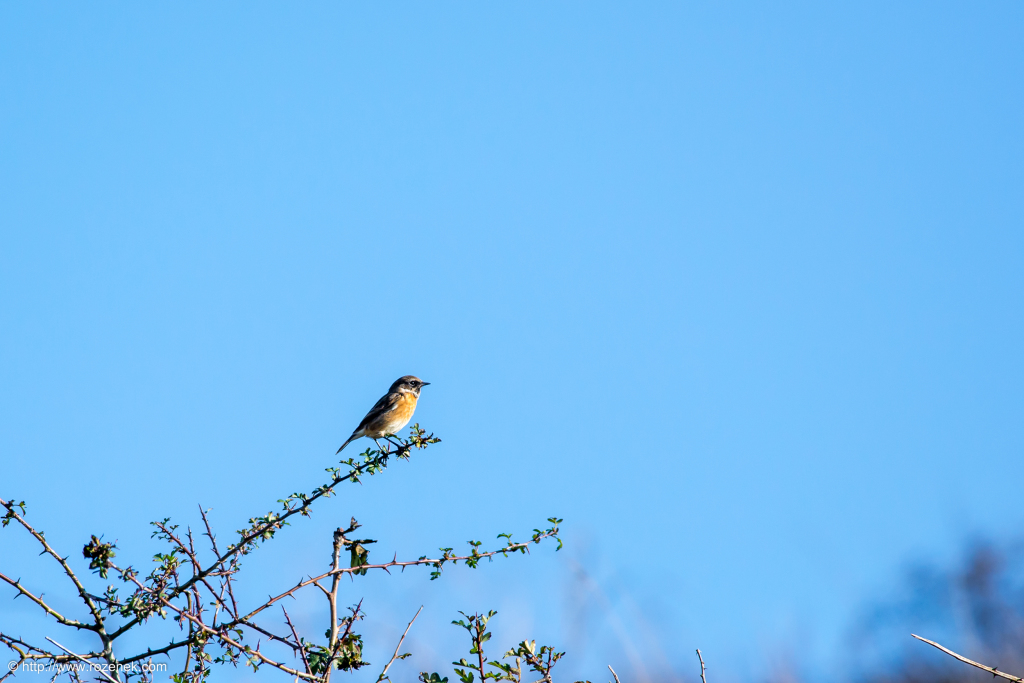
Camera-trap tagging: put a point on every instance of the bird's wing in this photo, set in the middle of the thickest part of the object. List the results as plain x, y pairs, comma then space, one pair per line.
386, 404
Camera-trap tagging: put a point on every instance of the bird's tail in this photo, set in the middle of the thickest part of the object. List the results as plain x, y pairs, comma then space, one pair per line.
350, 440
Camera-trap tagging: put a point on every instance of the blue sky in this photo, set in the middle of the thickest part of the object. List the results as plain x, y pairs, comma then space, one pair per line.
734, 289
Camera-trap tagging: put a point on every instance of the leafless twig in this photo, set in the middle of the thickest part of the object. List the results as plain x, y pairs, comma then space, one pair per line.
613, 673
384, 673
991, 669
702, 678
295, 635
97, 669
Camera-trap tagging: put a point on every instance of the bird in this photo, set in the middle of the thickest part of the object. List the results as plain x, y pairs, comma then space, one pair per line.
392, 412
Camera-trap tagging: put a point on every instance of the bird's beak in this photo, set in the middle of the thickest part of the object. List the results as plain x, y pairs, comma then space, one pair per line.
425, 384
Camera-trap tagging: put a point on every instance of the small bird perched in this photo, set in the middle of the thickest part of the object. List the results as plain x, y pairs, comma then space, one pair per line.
392, 412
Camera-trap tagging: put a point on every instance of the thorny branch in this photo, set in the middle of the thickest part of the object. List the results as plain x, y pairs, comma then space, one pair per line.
198, 594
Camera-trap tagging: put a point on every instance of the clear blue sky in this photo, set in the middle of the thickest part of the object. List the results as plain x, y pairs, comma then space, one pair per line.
735, 289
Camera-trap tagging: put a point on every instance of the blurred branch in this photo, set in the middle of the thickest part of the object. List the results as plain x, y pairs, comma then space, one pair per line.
702, 678
615, 675
991, 669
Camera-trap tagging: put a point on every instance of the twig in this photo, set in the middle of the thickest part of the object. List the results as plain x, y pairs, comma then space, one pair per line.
613, 673
384, 673
227, 579
991, 669
702, 678
295, 635
98, 670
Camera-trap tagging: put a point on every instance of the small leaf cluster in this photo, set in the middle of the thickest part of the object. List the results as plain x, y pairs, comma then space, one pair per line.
9, 515
539, 660
473, 560
373, 461
347, 652
98, 553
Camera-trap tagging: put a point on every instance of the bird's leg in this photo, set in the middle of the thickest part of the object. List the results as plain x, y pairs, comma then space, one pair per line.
382, 451
398, 446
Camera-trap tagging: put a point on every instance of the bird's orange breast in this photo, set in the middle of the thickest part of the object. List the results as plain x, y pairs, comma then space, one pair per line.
393, 420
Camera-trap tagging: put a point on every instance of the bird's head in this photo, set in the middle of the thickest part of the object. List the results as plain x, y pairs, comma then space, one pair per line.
410, 384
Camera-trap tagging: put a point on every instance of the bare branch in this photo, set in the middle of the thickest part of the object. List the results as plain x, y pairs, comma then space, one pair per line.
702, 678
259, 629
613, 673
49, 610
302, 650
992, 670
226, 580
384, 673
159, 651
